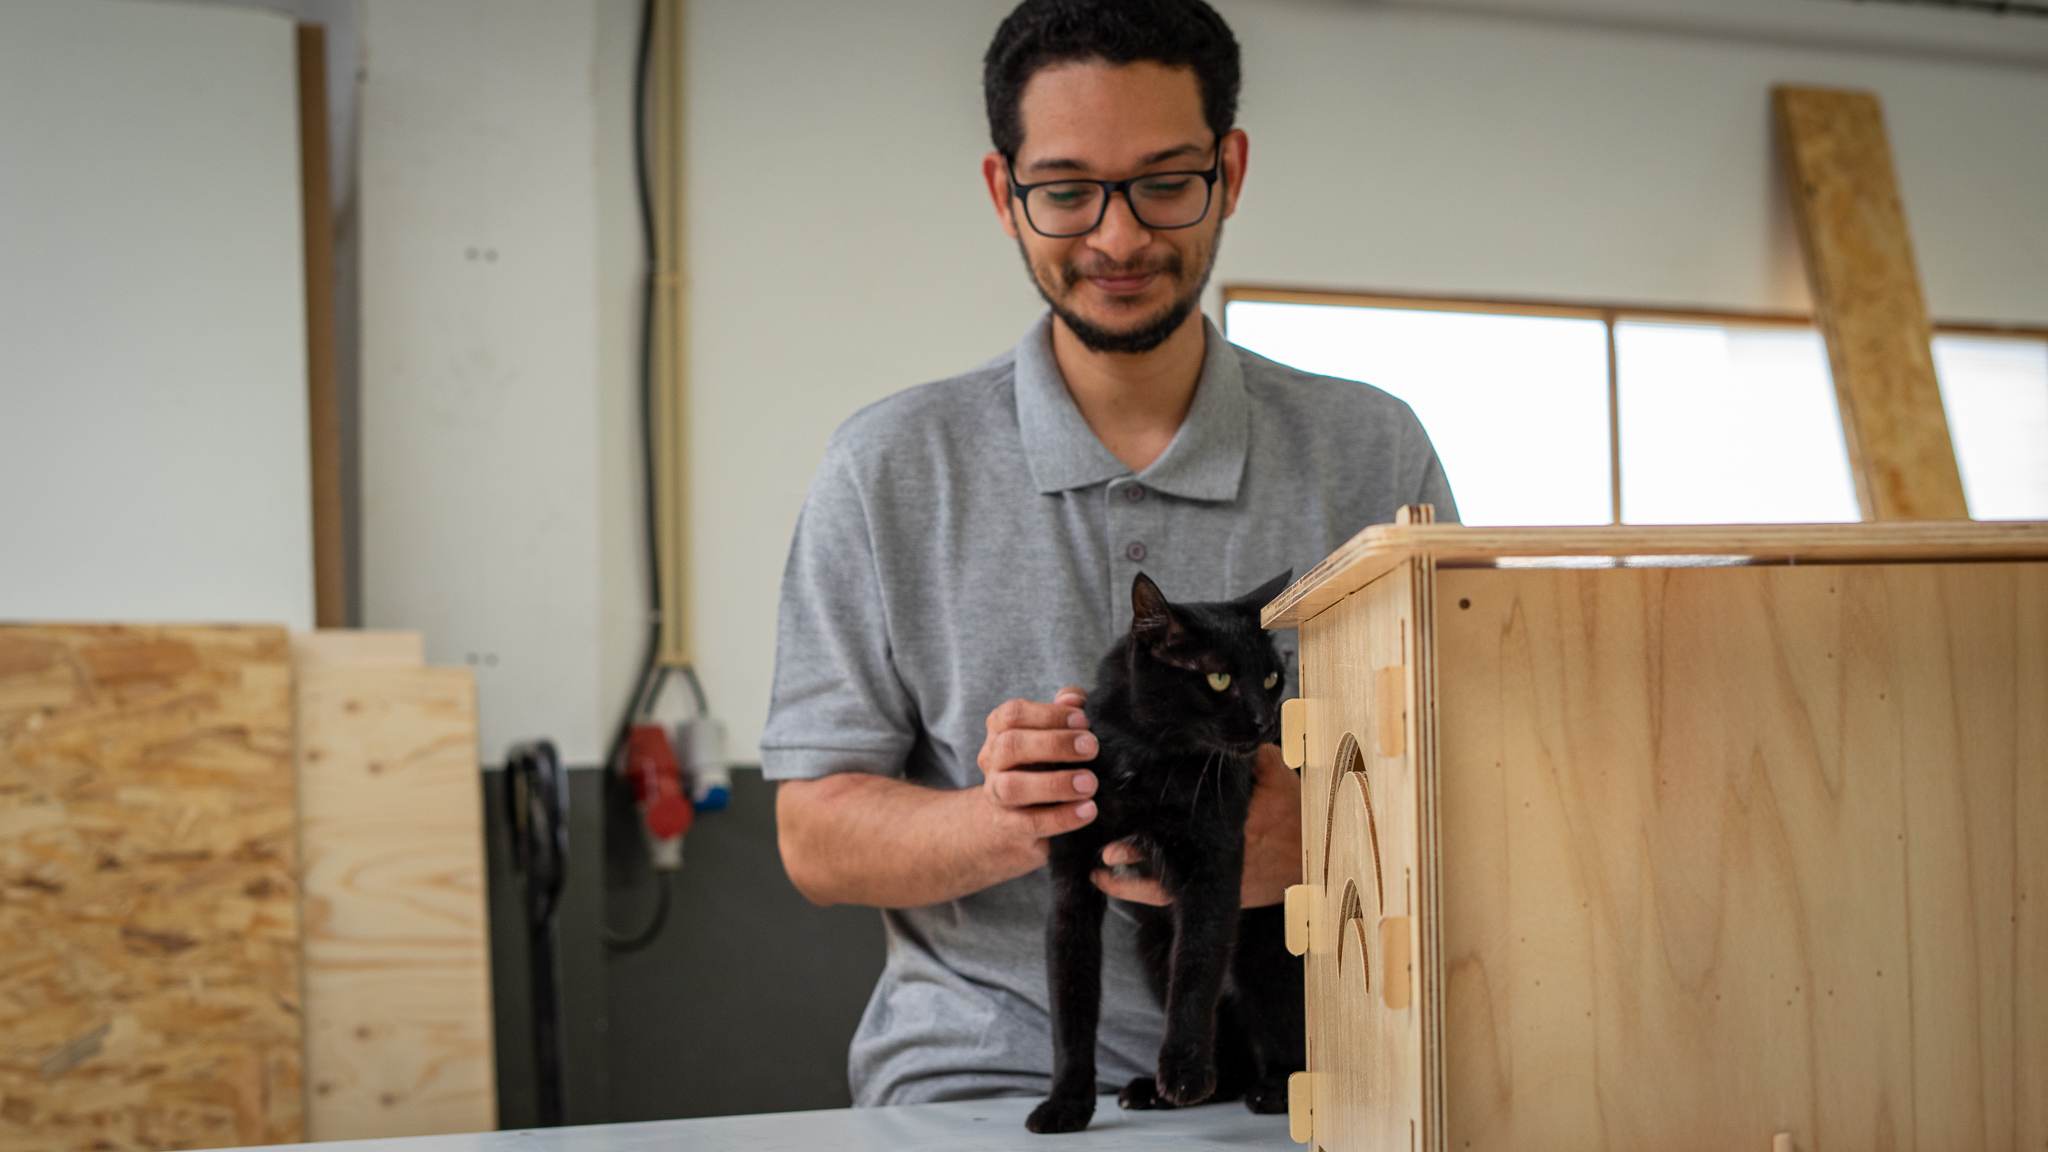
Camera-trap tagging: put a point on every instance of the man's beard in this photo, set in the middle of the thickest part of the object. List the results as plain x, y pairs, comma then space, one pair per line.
1147, 335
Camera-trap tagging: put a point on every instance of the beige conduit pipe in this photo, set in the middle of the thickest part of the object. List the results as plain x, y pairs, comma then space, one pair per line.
666, 123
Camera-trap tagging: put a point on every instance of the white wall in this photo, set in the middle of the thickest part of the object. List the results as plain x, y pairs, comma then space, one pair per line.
841, 248
153, 448
481, 353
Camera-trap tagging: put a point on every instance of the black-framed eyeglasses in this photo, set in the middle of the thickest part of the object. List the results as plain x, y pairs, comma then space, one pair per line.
1162, 201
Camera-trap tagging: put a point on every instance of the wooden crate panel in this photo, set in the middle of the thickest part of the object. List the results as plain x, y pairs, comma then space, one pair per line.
149, 972
398, 994
1732, 852
1361, 812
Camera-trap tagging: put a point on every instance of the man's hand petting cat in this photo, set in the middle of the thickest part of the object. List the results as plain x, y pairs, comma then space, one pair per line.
1025, 800
1272, 844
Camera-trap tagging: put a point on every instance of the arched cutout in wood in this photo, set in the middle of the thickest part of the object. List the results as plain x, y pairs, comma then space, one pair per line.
1351, 915
1351, 759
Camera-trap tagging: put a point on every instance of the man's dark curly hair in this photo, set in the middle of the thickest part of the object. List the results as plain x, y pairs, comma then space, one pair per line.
1176, 33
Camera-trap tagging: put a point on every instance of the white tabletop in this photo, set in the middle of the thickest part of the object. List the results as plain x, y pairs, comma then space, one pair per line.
969, 1126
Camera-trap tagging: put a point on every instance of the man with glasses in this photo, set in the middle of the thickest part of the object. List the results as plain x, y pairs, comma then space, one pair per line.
969, 545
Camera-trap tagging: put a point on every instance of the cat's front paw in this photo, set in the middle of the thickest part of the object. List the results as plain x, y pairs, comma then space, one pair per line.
1141, 1095
1058, 1115
1186, 1080
1267, 1098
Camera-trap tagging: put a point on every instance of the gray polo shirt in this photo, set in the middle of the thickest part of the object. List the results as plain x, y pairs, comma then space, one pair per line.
970, 541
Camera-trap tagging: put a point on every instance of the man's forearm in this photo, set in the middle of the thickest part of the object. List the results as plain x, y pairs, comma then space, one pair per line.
856, 838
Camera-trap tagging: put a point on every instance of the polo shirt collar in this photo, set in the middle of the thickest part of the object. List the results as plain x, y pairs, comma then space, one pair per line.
1205, 460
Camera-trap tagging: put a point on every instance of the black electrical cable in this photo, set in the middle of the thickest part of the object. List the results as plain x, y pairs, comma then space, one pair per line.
664, 893
647, 684
653, 675
537, 810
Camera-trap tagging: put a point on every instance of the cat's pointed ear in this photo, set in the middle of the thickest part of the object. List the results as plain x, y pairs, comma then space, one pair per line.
1151, 616
1263, 595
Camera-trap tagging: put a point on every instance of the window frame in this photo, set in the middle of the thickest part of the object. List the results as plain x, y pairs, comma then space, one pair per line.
1608, 314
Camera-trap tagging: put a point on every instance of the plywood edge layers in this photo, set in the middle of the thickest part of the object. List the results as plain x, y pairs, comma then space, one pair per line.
1423, 741
1379, 549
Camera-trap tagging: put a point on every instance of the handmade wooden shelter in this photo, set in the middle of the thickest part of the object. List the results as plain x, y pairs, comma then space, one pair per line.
1674, 838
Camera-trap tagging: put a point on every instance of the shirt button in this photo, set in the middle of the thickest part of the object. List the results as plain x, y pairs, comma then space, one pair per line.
1134, 493
1135, 551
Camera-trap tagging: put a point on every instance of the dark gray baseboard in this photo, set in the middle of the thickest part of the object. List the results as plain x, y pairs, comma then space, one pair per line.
744, 1003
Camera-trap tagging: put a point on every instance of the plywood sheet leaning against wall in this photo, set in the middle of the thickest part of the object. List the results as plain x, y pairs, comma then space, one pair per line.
149, 971
397, 959
1866, 297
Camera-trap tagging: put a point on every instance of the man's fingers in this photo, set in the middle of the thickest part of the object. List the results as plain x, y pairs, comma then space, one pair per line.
1029, 789
1017, 746
1134, 889
1046, 820
1071, 695
1063, 712
1121, 852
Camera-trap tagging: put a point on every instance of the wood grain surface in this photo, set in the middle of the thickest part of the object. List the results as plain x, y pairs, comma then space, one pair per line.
1362, 836
149, 973
1867, 303
1741, 851
356, 648
397, 965
1376, 550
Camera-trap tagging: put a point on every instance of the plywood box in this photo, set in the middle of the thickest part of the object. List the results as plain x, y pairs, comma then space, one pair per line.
1704, 838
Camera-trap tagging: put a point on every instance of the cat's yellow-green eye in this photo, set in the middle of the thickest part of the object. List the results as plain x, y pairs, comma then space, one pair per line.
1272, 678
1219, 680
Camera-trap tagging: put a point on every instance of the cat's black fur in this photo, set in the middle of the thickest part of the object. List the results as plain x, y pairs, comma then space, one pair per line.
1176, 768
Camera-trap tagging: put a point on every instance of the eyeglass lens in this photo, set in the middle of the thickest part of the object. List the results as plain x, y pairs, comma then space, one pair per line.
1069, 208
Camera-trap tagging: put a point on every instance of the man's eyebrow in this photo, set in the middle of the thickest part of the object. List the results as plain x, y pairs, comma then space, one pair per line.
1062, 164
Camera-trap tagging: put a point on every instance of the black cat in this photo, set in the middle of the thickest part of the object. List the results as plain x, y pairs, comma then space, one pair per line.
1180, 708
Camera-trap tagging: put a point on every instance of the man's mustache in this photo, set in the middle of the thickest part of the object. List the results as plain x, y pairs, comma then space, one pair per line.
1073, 274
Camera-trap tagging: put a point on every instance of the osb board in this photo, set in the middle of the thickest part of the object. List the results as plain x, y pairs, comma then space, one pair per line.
1734, 852
397, 963
1866, 297
1376, 550
149, 970
1361, 831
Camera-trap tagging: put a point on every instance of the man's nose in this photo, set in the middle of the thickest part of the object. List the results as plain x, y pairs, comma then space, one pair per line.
1121, 235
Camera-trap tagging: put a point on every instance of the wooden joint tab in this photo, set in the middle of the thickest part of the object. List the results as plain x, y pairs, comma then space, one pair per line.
1300, 1105
1398, 964
1294, 733
1300, 901
1390, 709
1782, 1142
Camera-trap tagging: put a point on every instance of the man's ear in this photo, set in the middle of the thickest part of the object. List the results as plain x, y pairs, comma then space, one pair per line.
1151, 616
1261, 596
995, 172
1236, 148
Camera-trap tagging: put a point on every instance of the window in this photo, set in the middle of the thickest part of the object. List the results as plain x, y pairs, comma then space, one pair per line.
1729, 425
1568, 415
1995, 390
